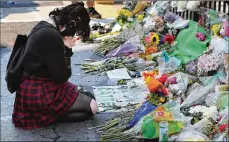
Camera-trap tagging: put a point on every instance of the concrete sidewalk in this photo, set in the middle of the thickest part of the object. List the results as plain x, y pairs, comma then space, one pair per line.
31, 14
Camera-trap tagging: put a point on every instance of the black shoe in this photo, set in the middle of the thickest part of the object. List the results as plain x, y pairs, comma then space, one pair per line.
93, 13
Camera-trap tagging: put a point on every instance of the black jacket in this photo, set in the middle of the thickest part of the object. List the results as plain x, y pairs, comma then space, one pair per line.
46, 55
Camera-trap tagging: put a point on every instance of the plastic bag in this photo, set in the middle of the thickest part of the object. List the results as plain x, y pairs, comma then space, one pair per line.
204, 126
222, 101
187, 120
127, 47
221, 138
130, 46
181, 85
211, 99
166, 64
191, 49
198, 95
148, 126
141, 112
189, 135
219, 45
141, 64
158, 8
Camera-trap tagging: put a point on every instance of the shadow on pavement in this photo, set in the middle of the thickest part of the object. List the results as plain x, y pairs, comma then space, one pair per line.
24, 6
7, 11
23, 3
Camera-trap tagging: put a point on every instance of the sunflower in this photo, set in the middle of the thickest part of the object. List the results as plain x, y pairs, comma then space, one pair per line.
152, 39
155, 39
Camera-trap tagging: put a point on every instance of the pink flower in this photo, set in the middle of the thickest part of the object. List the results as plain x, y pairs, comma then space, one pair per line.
148, 39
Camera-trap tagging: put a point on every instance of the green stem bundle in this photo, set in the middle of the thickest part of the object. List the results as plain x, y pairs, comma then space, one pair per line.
106, 46
110, 64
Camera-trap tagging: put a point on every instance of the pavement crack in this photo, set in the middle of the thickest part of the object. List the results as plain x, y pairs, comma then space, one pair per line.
57, 135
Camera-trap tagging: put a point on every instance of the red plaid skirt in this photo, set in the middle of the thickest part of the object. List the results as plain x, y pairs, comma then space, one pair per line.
40, 101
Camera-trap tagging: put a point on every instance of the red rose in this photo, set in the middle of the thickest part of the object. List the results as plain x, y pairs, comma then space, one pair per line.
222, 128
169, 38
163, 78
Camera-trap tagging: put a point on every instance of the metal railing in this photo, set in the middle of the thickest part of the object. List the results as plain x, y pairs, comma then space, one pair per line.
222, 7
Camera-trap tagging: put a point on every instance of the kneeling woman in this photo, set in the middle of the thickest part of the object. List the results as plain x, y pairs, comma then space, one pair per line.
45, 95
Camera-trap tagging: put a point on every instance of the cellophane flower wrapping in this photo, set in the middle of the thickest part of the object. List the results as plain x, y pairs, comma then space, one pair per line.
148, 126
198, 95
189, 135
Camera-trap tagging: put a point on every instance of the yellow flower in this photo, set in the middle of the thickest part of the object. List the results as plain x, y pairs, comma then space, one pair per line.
124, 12
140, 17
162, 99
155, 39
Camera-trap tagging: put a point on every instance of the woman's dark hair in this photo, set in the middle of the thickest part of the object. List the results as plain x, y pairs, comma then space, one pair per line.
75, 18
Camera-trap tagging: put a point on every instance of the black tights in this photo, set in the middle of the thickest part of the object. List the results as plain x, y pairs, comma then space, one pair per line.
80, 110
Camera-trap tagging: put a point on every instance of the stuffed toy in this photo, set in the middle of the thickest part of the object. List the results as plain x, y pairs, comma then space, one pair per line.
215, 29
193, 5
173, 4
159, 24
170, 17
181, 6
224, 31
206, 112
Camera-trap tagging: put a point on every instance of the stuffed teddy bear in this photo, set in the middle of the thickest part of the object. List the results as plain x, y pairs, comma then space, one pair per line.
193, 5
225, 29
181, 6
159, 24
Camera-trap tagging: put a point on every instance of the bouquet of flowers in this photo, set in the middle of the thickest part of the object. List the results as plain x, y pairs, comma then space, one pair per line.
208, 64
123, 17
140, 17
151, 41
